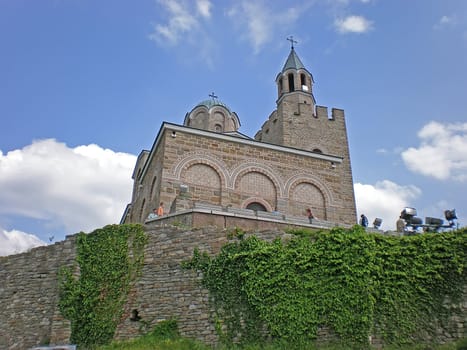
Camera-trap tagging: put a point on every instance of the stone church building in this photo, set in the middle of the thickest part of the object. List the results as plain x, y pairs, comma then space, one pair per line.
298, 160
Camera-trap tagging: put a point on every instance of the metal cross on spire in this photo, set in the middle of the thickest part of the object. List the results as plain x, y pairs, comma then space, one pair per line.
212, 95
290, 38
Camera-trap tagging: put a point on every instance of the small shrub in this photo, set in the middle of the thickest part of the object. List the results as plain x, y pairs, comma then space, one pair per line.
166, 330
462, 345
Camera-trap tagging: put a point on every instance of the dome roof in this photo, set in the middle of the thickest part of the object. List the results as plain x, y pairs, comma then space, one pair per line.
205, 116
211, 103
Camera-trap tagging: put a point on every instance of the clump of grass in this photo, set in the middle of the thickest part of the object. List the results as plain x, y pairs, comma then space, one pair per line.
165, 336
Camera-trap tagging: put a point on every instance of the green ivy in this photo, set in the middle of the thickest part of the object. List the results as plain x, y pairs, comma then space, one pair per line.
92, 297
351, 282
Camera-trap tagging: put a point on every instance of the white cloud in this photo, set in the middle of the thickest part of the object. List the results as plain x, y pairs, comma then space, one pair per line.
353, 24
396, 150
445, 21
259, 23
382, 151
14, 242
442, 153
186, 27
183, 20
384, 200
204, 8
75, 189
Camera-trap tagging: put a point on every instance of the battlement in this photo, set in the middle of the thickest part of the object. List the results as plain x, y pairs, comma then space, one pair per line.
322, 112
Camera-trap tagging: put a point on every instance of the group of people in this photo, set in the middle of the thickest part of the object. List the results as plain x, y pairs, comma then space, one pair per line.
156, 212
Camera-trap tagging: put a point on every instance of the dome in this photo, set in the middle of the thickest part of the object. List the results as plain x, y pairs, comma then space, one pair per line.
205, 116
211, 103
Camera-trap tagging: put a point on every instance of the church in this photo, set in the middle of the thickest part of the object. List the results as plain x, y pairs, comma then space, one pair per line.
299, 159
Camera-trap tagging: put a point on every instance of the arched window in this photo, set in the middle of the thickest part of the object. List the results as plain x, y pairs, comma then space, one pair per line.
303, 82
152, 187
141, 213
139, 173
291, 83
218, 128
280, 85
256, 206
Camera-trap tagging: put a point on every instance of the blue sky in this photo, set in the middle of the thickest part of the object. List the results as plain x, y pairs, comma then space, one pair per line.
85, 86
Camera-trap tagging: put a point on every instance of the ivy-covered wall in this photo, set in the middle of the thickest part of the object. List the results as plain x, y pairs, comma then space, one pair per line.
364, 287
93, 293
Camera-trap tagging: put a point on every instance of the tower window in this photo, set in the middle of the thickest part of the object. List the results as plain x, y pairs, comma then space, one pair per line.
280, 85
303, 82
291, 83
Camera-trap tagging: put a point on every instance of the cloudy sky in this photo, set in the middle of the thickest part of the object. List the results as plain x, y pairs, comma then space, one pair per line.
85, 86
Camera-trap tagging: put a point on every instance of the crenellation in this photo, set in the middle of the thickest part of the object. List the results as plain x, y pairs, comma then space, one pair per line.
321, 112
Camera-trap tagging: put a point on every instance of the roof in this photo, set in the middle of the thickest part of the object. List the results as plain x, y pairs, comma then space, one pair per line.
293, 61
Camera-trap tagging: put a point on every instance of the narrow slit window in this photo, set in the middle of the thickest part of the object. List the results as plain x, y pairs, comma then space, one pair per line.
291, 83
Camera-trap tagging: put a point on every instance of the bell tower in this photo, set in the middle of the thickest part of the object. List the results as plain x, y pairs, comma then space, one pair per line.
298, 121
295, 81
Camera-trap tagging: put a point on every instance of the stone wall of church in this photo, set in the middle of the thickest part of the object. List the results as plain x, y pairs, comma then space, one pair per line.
232, 173
147, 187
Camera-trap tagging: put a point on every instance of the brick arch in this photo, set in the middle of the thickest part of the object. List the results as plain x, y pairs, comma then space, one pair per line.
255, 184
265, 203
204, 182
306, 191
196, 158
293, 181
244, 168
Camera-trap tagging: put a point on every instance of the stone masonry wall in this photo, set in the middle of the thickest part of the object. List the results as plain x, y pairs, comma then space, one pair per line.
29, 314
241, 173
29, 296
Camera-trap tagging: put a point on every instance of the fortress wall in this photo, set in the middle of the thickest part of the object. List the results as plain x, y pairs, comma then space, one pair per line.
29, 314
29, 296
167, 291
